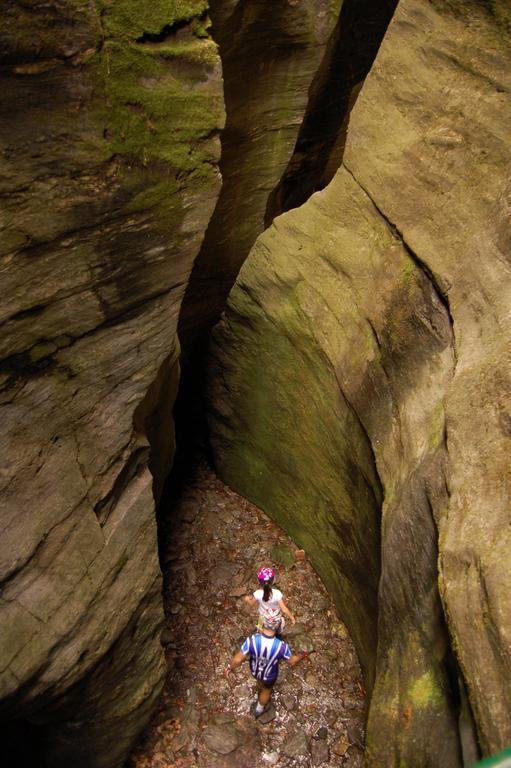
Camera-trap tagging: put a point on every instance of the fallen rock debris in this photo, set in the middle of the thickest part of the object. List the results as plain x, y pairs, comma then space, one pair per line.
216, 543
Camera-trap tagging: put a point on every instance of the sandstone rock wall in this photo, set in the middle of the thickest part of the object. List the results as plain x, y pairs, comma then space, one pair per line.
108, 177
360, 382
319, 148
270, 54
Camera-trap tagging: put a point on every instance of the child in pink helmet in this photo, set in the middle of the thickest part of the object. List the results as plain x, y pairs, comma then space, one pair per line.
269, 599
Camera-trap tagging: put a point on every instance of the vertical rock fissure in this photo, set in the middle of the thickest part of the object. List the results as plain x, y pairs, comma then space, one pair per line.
441, 293
270, 54
319, 148
468, 741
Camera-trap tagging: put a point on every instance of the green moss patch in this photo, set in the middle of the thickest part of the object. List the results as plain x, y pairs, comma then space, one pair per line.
425, 692
132, 18
150, 112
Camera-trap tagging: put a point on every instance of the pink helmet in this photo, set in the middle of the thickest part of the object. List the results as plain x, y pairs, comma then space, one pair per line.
266, 575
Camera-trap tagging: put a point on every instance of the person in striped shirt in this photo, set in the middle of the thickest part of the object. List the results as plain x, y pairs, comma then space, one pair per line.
264, 651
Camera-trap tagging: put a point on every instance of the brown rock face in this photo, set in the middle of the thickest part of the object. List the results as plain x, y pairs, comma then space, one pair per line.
108, 179
351, 50
361, 382
270, 54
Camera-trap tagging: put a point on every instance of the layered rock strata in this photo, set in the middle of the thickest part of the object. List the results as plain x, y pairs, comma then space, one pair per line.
270, 55
108, 179
361, 383
350, 53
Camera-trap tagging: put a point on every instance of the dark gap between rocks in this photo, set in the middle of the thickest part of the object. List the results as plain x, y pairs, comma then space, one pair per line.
168, 31
320, 144
21, 744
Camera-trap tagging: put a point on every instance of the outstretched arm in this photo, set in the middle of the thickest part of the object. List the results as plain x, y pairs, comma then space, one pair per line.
250, 599
297, 657
283, 607
236, 661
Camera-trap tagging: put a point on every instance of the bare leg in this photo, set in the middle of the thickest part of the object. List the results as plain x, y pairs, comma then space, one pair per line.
264, 694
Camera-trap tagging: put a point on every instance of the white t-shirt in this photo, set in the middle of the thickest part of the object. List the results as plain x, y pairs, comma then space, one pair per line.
271, 606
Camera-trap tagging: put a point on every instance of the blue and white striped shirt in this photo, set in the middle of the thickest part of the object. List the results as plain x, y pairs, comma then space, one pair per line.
265, 654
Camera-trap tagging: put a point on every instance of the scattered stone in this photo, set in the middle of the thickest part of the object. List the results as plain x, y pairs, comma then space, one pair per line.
199, 696
296, 744
189, 511
223, 738
191, 575
267, 716
311, 679
341, 746
356, 735
339, 629
356, 756
300, 555
223, 573
292, 630
331, 716
222, 717
322, 603
237, 591
321, 733
285, 686
242, 692
319, 752
179, 741
288, 702
191, 695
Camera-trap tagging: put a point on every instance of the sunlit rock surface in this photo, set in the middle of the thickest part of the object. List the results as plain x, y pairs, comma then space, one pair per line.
360, 383
108, 176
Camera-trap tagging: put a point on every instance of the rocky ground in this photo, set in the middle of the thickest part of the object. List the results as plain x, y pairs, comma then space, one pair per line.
218, 540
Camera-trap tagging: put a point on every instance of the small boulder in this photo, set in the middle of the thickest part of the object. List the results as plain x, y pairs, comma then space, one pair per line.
288, 702
167, 636
319, 752
356, 734
341, 746
267, 716
293, 630
303, 642
339, 629
222, 738
296, 744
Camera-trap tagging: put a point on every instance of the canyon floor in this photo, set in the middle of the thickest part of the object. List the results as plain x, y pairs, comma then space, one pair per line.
216, 542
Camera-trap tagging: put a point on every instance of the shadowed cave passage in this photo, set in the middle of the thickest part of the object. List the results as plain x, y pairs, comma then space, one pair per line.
212, 542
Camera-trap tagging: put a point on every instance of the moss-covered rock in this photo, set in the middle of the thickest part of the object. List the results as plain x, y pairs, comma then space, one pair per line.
360, 381
320, 388
109, 176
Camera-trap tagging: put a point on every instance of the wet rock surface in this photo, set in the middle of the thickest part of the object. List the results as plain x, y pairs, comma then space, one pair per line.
205, 717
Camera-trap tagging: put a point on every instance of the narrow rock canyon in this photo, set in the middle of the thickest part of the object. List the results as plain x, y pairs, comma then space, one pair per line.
273, 237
